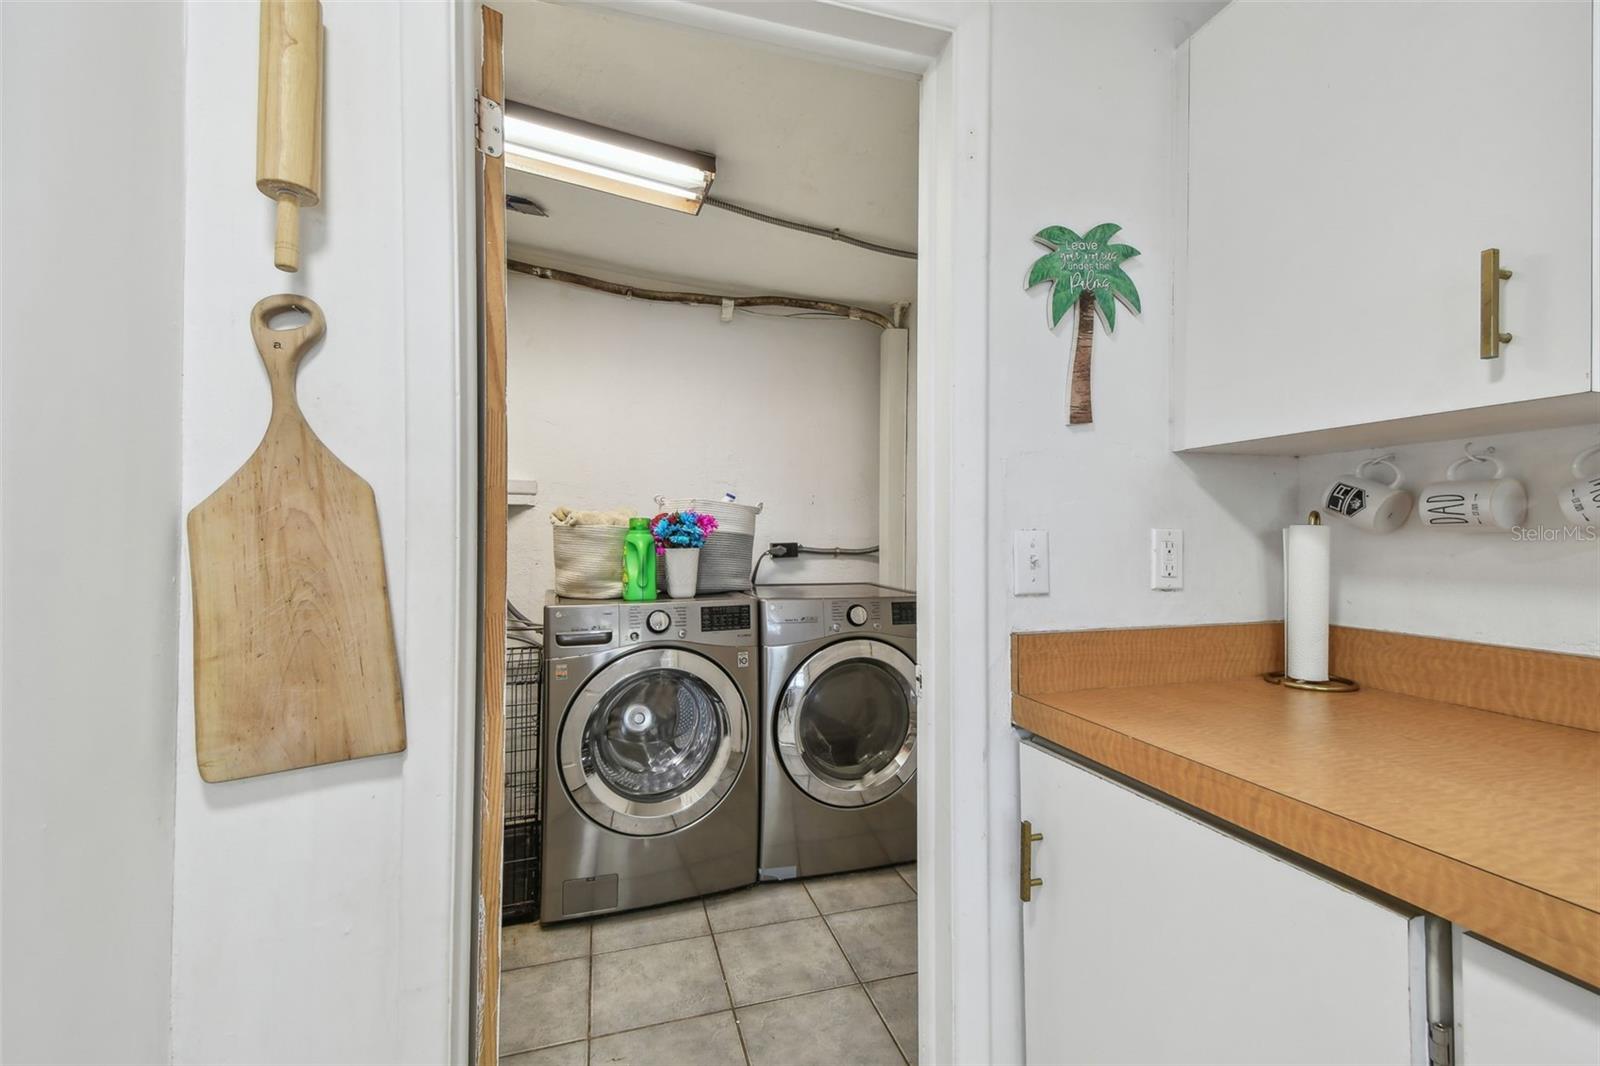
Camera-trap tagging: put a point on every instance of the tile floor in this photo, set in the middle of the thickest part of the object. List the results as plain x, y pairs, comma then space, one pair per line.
789, 973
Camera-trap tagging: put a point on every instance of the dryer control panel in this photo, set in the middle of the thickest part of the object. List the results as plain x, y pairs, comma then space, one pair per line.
792, 621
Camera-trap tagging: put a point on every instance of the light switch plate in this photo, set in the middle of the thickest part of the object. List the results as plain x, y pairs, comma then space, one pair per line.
1166, 559
1030, 562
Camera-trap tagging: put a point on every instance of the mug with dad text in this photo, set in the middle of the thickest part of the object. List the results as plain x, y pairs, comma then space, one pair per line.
1369, 504
1486, 505
1580, 500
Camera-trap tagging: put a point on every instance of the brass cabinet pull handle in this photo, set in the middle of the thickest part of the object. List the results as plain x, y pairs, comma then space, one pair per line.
1490, 275
1029, 882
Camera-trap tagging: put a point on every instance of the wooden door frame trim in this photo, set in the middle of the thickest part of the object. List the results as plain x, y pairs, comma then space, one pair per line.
968, 920
492, 565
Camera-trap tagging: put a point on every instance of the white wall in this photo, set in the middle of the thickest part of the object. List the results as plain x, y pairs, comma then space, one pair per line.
613, 401
1099, 489
322, 915
91, 268
1531, 592
1098, 147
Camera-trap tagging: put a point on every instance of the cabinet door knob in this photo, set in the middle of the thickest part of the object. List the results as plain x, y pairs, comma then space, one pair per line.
1029, 882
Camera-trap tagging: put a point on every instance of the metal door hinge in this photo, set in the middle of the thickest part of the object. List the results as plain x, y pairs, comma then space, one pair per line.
1441, 1044
1438, 948
1029, 882
491, 128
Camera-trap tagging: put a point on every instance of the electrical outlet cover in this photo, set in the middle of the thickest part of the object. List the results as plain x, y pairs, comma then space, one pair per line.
1166, 559
1030, 562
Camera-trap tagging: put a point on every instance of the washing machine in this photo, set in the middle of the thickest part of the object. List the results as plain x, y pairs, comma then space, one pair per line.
839, 723
650, 763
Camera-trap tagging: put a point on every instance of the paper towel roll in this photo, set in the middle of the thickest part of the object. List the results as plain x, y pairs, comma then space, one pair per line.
1305, 602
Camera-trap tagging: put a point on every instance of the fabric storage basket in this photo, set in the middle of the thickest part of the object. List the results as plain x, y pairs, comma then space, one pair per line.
588, 561
729, 552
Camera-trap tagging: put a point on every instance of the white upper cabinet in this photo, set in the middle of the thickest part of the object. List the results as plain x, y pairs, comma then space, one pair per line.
1347, 164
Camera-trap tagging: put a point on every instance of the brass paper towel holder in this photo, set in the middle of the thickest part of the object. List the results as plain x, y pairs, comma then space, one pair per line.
1334, 682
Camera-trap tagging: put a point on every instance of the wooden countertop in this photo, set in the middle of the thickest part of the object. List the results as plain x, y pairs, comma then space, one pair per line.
1481, 817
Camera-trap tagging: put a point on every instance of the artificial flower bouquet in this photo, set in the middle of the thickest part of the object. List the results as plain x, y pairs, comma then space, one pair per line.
684, 532
682, 529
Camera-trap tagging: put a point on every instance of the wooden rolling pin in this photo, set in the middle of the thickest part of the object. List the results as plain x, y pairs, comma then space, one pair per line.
289, 117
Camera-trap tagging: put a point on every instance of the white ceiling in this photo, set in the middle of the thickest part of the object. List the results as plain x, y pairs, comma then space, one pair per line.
828, 145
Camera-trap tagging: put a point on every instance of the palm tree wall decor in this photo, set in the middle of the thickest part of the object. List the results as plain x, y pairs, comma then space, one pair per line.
1086, 271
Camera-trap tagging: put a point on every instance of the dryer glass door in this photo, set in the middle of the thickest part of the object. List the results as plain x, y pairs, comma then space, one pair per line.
653, 742
847, 723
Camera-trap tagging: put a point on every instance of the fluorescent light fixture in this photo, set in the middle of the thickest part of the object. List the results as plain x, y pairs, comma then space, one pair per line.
581, 153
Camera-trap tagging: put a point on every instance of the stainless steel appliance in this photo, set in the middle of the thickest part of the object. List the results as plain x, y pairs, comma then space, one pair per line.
650, 768
839, 746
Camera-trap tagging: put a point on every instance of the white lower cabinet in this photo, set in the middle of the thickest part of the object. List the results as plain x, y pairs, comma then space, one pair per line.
1156, 938
1510, 1011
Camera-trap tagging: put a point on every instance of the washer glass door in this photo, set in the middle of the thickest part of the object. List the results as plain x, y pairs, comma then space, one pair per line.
847, 723
653, 742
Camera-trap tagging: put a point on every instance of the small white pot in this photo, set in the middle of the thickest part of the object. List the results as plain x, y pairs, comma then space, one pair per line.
683, 572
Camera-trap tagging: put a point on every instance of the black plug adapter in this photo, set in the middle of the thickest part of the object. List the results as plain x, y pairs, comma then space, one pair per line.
786, 549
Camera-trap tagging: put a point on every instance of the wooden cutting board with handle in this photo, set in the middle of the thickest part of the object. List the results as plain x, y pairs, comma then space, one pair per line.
294, 653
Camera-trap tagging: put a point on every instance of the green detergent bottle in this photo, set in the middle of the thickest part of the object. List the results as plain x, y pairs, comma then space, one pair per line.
639, 561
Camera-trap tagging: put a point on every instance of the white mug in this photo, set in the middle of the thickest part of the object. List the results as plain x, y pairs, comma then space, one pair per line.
1580, 500
1367, 503
1489, 505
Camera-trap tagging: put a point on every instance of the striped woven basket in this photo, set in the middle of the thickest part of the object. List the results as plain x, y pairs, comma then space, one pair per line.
728, 553
588, 561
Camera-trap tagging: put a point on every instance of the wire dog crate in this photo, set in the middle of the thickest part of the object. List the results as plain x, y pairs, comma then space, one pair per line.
519, 893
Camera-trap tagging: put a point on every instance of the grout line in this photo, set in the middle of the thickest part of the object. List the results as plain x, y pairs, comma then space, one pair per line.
668, 1021
862, 984
796, 995
500, 1019
670, 940
874, 907
892, 1038
728, 988
588, 1029
653, 943
895, 870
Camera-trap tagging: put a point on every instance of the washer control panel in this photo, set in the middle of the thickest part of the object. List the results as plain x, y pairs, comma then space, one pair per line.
719, 621
582, 627
725, 617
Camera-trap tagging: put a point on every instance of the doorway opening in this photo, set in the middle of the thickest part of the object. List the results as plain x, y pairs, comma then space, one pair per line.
710, 788
656, 348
